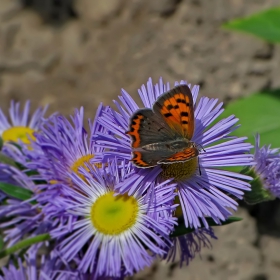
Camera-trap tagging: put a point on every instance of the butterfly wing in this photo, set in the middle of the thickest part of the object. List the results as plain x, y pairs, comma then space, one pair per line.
148, 128
176, 108
146, 159
185, 155
172, 117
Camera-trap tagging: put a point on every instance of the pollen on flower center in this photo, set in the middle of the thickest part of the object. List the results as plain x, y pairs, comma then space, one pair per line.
180, 170
81, 162
18, 133
112, 215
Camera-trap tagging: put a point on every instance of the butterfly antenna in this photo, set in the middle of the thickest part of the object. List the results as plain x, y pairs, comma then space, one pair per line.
200, 147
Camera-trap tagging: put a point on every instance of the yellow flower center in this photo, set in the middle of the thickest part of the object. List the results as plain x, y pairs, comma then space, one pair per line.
112, 215
52, 182
180, 170
18, 132
81, 162
178, 212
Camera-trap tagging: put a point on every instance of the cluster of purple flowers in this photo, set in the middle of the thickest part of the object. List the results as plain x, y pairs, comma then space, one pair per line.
105, 216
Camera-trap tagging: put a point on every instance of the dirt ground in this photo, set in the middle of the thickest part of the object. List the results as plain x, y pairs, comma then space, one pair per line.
79, 53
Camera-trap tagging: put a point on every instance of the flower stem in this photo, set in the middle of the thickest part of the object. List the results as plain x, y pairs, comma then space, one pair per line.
25, 243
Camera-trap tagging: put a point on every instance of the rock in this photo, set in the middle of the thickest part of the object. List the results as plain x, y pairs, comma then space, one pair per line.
8, 8
270, 247
164, 8
97, 11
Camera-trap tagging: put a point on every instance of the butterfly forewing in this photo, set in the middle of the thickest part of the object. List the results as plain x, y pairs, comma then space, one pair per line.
176, 108
148, 128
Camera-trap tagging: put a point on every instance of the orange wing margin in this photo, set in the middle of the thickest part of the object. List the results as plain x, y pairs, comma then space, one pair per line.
185, 155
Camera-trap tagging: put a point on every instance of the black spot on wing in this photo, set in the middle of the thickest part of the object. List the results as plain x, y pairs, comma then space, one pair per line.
184, 114
179, 100
167, 115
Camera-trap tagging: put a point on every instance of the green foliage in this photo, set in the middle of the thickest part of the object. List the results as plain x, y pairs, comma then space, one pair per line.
15, 191
25, 244
258, 193
180, 229
258, 113
7, 160
1, 243
265, 25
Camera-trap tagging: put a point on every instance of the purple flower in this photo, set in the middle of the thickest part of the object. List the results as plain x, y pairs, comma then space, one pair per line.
267, 168
113, 234
204, 188
50, 268
5, 177
23, 217
62, 147
20, 127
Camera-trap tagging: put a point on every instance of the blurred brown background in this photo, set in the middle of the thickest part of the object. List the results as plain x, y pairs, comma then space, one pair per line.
69, 53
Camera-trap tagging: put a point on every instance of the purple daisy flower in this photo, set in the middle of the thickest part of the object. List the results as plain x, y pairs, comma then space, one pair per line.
203, 187
5, 177
113, 235
21, 126
190, 244
62, 147
23, 217
50, 268
267, 169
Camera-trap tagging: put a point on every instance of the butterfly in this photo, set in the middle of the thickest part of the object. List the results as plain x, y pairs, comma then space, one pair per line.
162, 135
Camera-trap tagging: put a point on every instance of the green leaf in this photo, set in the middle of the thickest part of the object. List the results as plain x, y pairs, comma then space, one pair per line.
1, 243
7, 160
1, 143
180, 229
265, 25
230, 220
24, 244
15, 191
258, 113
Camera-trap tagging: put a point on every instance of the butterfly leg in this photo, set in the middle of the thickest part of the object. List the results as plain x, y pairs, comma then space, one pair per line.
198, 166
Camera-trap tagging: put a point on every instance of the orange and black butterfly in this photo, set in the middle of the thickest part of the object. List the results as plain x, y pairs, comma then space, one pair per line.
162, 135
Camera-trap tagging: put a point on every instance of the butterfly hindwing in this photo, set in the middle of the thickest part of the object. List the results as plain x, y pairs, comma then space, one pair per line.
145, 159
185, 155
147, 128
176, 108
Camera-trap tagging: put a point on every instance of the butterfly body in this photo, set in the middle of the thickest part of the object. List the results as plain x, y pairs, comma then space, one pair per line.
173, 145
162, 135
